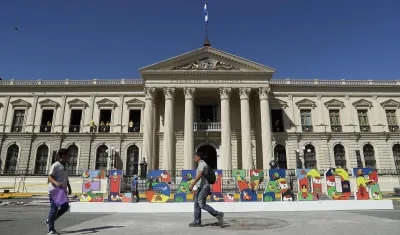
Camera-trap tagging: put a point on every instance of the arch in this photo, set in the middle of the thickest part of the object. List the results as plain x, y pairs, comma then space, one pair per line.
280, 156
101, 157
73, 151
132, 160
210, 154
396, 155
42, 157
369, 156
339, 154
11, 162
309, 153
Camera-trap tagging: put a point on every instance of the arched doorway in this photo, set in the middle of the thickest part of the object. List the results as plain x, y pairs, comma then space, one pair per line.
210, 154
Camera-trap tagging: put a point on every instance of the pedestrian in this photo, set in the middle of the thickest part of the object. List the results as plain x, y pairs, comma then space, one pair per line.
135, 188
202, 182
58, 177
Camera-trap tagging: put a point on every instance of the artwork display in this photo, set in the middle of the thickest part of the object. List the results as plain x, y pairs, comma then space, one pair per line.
157, 186
367, 184
277, 188
308, 184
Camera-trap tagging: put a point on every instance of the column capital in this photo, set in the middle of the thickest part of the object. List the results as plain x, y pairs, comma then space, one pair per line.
169, 92
189, 92
263, 92
225, 92
244, 93
149, 92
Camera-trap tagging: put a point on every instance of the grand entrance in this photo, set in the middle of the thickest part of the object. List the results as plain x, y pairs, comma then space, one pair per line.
210, 154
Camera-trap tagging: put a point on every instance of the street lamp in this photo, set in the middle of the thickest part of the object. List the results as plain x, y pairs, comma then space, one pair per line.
112, 155
298, 156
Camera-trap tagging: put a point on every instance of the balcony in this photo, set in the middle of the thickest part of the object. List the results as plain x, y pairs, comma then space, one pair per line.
207, 126
393, 128
74, 128
133, 129
336, 128
16, 128
45, 128
104, 129
307, 128
365, 128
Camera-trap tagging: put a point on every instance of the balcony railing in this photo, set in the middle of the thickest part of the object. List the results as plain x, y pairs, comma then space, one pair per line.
336, 128
307, 128
45, 128
365, 128
104, 129
393, 128
207, 126
74, 128
133, 129
16, 128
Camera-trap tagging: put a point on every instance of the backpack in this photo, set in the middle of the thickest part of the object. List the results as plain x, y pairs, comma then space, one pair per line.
210, 175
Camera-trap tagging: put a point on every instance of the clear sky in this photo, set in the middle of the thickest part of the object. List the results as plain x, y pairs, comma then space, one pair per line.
107, 39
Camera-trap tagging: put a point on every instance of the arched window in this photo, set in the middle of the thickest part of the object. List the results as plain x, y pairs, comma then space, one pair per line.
280, 156
396, 155
11, 159
369, 156
310, 161
340, 156
73, 159
101, 158
42, 156
132, 160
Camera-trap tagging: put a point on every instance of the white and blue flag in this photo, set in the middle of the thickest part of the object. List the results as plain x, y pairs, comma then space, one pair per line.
205, 13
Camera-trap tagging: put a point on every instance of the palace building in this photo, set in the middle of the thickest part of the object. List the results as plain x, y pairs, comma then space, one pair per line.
230, 108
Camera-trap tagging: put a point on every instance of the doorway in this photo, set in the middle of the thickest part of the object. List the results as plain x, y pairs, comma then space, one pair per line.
210, 154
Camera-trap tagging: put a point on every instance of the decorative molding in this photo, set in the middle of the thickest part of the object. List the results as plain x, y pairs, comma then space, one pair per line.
20, 103
77, 103
149, 92
290, 97
169, 92
244, 93
279, 102
391, 103
347, 97
334, 103
134, 103
362, 103
207, 64
375, 97
225, 92
263, 92
106, 103
49, 103
305, 103
189, 92
319, 97
1, 105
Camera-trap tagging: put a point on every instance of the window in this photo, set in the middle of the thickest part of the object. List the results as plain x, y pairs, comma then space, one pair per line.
75, 120
105, 120
18, 120
280, 156
11, 159
391, 117
101, 158
340, 156
369, 156
47, 120
396, 155
363, 120
42, 155
277, 120
73, 159
306, 120
334, 118
310, 161
134, 120
132, 163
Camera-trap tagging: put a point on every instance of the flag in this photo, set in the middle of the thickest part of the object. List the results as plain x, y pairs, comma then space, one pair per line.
205, 13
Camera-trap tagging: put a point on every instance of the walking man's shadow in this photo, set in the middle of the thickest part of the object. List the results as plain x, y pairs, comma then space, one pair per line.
90, 230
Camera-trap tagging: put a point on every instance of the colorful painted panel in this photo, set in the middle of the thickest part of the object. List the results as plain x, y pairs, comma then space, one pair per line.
91, 185
278, 188
337, 184
248, 189
91, 197
309, 185
127, 197
94, 174
367, 184
216, 195
115, 177
183, 189
114, 197
158, 189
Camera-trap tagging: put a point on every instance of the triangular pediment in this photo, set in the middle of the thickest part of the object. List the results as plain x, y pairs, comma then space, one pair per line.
134, 103
48, 103
20, 103
77, 103
334, 103
207, 59
390, 103
362, 103
106, 103
278, 102
305, 103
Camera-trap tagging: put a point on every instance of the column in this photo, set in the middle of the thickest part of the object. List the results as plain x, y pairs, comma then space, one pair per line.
168, 146
266, 138
247, 158
5, 113
60, 119
33, 115
188, 135
226, 150
121, 113
148, 127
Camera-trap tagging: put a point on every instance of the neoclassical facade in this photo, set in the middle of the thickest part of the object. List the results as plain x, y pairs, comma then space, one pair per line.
204, 100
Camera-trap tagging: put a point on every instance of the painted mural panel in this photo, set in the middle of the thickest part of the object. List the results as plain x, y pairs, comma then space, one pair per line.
91, 197
91, 185
309, 185
277, 188
158, 189
183, 191
94, 174
248, 188
216, 190
115, 178
91, 182
337, 184
367, 184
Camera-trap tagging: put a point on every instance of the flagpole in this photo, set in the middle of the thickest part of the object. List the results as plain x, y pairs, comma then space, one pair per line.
206, 40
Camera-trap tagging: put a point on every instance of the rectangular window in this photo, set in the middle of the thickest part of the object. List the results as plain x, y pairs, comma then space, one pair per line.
334, 117
305, 117
391, 117
47, 119
75, 120
277, 120
363, 117
18, 120
134, 120
105, 120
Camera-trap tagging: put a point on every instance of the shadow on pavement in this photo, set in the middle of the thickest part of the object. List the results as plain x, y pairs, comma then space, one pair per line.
5, 220
91, 230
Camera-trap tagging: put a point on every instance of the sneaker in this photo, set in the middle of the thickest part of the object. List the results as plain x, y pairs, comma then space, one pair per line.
46, 221
220, 219
192, 225
53, 232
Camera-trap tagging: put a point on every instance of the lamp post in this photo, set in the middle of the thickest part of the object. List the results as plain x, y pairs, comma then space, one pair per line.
112, 156
299, 155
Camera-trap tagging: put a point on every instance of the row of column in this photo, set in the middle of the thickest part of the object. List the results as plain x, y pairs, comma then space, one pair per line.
226, 149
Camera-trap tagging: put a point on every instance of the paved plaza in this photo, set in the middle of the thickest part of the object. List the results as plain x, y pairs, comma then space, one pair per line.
20, 220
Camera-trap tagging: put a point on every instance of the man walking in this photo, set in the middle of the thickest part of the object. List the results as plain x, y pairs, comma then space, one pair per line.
135, 188
203, 190
58, 177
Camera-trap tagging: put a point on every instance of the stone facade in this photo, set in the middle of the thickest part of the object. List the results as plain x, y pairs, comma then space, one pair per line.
322, 123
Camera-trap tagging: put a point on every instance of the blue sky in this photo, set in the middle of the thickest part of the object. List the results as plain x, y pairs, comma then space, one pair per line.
104, 39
